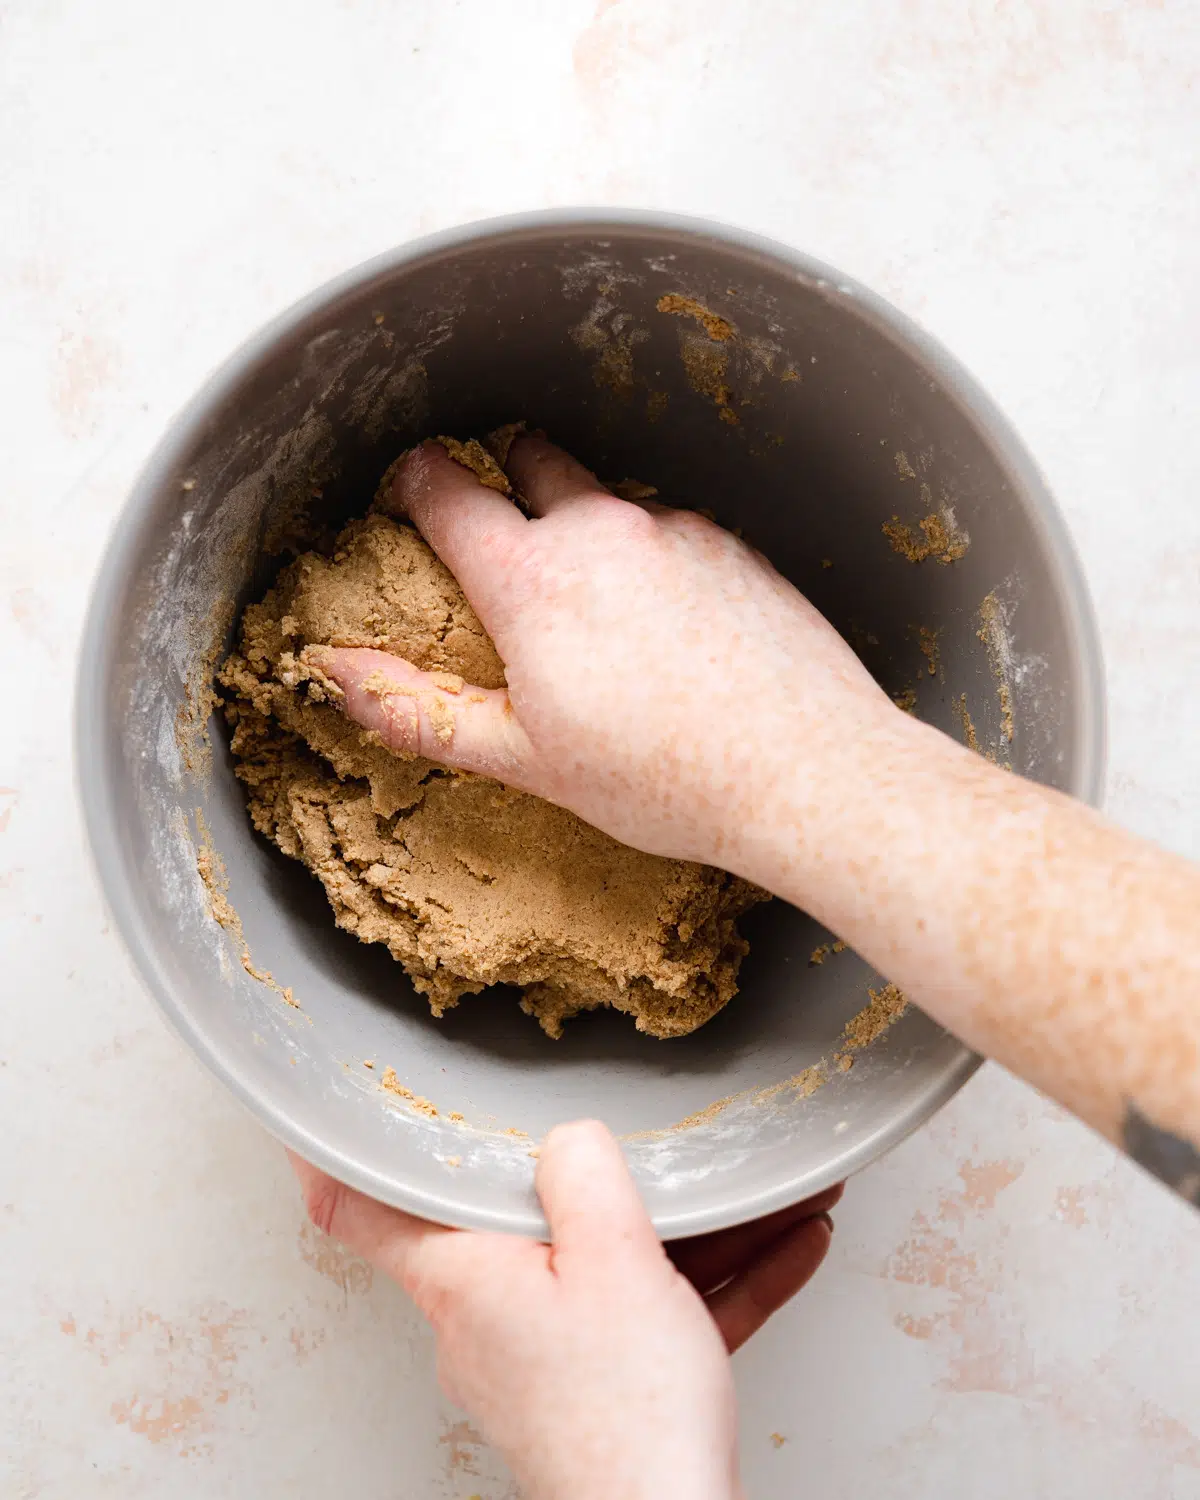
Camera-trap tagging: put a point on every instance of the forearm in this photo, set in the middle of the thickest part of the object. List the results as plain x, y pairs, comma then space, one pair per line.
720, 718
1043, 936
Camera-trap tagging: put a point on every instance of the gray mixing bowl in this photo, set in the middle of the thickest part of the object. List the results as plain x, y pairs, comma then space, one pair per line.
821, 419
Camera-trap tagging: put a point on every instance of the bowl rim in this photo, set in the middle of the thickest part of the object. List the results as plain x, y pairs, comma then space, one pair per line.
94, 774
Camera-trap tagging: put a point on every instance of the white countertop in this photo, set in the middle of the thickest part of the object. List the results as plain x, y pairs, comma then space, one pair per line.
1008, 1310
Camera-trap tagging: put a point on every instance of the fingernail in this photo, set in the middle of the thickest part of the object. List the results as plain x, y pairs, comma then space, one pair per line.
571, 1133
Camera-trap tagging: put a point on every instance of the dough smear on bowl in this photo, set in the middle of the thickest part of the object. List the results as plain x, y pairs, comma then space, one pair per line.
468, 883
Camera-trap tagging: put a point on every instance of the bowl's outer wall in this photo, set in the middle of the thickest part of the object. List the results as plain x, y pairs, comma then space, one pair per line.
844, 413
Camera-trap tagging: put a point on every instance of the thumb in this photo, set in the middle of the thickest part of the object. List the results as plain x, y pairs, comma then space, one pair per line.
433, 714
590, 1200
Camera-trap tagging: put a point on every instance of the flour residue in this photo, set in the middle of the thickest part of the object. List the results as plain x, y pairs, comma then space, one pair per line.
884, 1008
611, 335
707, 367
211, 869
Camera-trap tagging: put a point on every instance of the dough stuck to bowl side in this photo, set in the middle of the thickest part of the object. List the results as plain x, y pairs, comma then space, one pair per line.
467, 882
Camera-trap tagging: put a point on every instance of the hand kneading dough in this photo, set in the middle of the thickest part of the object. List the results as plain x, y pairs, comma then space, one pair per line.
467, 882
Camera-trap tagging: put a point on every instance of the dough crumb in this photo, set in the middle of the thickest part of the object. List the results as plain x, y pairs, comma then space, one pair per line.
633, 489
706, 369
927, 639
888, 1004
707, 1115
499, 442
441, 716
474, 456
821, 953
969, 734
392, 1085
719, 329
940, 540
906, 700
993, 633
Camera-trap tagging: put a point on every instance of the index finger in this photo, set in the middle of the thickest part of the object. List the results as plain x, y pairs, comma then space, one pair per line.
471, 527
595, 1212
387, 1237
440, 1268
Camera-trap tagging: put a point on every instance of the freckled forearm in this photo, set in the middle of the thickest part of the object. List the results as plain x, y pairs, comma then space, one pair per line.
1042, 935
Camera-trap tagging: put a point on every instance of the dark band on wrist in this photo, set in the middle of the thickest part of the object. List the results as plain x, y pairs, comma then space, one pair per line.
1171, 1158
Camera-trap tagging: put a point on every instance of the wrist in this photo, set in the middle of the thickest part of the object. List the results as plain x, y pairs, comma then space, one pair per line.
830, 827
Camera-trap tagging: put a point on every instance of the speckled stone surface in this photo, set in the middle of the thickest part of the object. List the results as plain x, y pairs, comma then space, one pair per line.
1008, 1310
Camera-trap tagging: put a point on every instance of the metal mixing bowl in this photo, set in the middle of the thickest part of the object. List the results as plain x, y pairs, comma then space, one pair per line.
827, 415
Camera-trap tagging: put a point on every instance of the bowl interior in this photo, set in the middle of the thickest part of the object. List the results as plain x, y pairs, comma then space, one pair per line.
815, 422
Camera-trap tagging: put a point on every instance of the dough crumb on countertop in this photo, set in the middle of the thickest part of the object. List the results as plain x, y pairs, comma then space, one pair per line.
466, 882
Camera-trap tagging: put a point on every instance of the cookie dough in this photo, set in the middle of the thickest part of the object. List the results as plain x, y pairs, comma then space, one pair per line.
467, 882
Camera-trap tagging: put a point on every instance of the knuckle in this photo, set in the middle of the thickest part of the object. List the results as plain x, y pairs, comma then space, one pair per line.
632, 522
